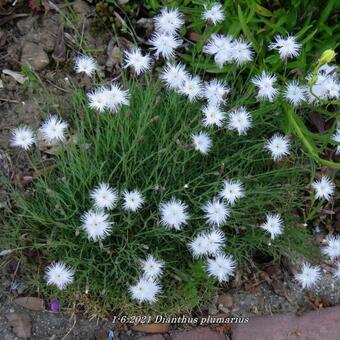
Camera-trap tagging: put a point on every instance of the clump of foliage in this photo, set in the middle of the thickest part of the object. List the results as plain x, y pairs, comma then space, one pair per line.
148, 145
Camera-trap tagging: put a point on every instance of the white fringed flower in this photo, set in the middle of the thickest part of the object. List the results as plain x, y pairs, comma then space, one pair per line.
287, 47
202, 142
152, 268
104, 197
137, 61
273, 225
60, 275
241, 52
309, 276
96, 224
336, 138
294, 93
221, 47
174, 75
145, 290
98, 99
23, 137
213, 116
221, 267
133, 200
199, 246
232, 191
164, 44
215, 91
324, 188
264, 83
174, 214
333, 247
169, 21
213, 13
278, 146
216, 212
53, 130
216, 241
117, 97
239, 120
192, 87
85, 64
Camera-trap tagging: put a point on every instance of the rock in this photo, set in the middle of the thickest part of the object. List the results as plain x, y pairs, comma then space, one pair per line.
32, 303
323, 324
198, 333
21, 324
152, 328
226, 300
26, 25
81, 8
34, 55
100, 334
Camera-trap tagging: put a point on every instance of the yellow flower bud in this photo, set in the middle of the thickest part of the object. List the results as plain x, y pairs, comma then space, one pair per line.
326, 57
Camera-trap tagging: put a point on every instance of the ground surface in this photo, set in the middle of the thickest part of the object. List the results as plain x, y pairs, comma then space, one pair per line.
267, 290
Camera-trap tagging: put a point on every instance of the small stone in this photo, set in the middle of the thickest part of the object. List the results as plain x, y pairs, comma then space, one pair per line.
25, 25
33, 54
226, 300
81, 8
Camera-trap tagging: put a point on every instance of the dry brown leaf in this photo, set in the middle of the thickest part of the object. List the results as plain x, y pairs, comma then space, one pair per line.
32, 303
21, 324
100, 334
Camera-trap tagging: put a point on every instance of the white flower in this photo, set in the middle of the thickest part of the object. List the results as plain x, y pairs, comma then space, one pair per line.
294, 93
96, 224
164, 44
145, 290
137, 61
287, 47
53, 129
174, 75
326, 87
221, 267
264, 83
169, 21
336, 138
241, 52
209, 243
152, 268
215, 91
333, 247
199, 246
133, 200
239, 120
309, 275
232, 191
98, 99
216, 240
23, 137
192, 87
202, 142
213, 116
104, 197
332, 88
58, 274
174, 214
273, 225
216, 212
117, 97
85, 64
278, 145
324, 188
218, 43
214, 14
221, 47
336, 274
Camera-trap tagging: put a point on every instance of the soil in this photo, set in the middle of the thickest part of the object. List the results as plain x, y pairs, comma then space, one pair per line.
37, 37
